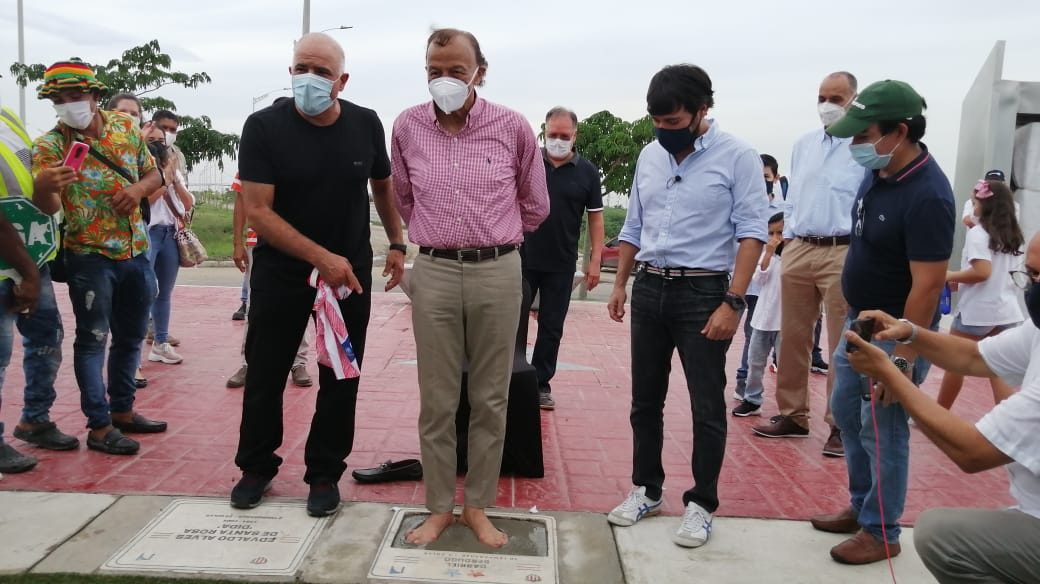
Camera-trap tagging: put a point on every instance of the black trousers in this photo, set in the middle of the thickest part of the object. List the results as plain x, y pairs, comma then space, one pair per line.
554, 298
278, 316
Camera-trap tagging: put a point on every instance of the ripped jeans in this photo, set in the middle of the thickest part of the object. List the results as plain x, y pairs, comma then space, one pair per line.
108, 296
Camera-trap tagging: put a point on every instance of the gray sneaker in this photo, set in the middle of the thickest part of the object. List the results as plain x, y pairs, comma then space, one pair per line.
13, 462
238, 379
546, 402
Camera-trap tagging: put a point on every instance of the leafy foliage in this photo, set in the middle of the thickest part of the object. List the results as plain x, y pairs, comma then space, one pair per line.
613, 145
143, 71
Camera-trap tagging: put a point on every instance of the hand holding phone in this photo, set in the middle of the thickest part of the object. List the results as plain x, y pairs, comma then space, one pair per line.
864, 327
77, 154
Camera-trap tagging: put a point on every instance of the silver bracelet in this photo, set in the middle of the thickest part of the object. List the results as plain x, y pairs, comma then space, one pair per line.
913, 333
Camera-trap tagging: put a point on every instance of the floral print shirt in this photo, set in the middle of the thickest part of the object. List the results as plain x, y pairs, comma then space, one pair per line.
91, 223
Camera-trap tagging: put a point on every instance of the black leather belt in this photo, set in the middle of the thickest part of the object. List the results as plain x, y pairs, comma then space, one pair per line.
473, 254
669, 273
829, 240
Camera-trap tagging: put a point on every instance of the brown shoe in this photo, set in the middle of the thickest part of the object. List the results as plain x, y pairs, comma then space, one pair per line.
834, 446
844, 521
863, 548
300, 377
238, 379
781, 427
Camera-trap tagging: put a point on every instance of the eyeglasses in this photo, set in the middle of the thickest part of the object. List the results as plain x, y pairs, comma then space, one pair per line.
1024, 278
859, 219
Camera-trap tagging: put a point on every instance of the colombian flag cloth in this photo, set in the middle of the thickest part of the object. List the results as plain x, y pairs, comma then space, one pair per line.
333, 341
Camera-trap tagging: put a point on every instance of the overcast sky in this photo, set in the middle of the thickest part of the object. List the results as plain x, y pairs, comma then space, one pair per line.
765, 58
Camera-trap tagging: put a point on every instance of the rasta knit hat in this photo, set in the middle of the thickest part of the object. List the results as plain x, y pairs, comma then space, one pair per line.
71, 74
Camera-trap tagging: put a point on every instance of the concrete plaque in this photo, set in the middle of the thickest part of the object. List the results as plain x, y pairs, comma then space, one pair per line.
208, 536
457, 556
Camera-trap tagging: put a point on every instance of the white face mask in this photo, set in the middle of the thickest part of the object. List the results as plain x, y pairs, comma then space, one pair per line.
171, 137
558, 149
76, 114
830, 113
450, 94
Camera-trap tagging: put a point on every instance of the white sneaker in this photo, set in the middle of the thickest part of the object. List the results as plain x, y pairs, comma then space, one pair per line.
695, 528
635, 507
164, 352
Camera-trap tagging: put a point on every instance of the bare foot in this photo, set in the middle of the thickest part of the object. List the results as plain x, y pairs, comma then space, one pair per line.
430, 529
482, 527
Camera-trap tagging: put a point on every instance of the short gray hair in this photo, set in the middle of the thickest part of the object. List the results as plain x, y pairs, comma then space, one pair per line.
562, 111
848, 77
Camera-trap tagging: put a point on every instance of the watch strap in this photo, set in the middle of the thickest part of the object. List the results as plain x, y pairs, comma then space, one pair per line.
399, 247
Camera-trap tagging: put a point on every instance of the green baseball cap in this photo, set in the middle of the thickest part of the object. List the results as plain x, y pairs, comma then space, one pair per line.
882, 101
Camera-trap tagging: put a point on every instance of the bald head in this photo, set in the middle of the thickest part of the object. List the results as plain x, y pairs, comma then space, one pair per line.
837, 88
320, 46
1032, 260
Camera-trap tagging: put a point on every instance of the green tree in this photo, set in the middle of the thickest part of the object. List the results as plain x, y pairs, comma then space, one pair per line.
143, 71
613, 145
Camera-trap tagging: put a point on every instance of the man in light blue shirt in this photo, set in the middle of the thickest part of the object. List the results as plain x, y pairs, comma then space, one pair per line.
817, 225
696, 190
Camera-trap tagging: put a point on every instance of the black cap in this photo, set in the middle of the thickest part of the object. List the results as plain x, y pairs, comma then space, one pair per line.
995, 174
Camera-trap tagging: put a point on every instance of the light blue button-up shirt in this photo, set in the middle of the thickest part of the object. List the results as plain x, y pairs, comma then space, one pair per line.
693, 222
823, 185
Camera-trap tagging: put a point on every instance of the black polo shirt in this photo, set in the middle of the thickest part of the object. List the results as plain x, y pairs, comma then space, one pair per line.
320, 177
908, 216
574, 188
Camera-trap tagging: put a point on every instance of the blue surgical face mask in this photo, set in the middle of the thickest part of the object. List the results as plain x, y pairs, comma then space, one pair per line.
313, 94
867, 155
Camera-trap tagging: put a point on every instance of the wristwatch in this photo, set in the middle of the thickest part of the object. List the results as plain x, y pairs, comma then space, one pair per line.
902, 364
399, 247
735, 301
913, 333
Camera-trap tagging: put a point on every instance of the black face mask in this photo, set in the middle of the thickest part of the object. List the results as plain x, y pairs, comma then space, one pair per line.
158, 150
769, 188
1033, 303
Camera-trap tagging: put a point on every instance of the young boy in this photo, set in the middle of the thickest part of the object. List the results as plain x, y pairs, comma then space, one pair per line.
765, 323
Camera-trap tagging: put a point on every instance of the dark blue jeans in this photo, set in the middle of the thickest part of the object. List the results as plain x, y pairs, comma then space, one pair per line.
748, 313
554, 298
669, 315
108, 296
42, 334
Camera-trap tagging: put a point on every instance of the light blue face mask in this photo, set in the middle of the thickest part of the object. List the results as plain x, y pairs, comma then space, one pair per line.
867, 155
313, 94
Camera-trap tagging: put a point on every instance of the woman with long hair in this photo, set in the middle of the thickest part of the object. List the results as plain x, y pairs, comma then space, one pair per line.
987, 302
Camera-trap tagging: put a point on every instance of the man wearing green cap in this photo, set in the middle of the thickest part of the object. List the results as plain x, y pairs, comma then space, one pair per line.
111, 283
902, 237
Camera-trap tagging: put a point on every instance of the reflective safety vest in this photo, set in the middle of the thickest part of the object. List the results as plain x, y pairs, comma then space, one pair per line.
15, 177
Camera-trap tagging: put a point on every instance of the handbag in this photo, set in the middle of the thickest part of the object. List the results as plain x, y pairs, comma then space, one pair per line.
189, 248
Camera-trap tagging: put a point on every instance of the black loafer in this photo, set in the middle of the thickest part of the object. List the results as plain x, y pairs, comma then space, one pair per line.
140, 425
323, 499
48, 437
113, 443
402, 470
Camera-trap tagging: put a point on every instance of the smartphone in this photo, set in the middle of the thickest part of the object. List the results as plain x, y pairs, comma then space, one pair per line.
864, 327
77, 154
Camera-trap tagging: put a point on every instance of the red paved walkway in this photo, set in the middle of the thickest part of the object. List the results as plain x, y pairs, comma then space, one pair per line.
587, 440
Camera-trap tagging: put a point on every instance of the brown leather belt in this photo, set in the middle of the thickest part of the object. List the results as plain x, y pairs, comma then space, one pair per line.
473, 254
669, 273
829, 240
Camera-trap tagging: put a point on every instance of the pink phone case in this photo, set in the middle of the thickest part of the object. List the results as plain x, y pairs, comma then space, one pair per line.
77, 154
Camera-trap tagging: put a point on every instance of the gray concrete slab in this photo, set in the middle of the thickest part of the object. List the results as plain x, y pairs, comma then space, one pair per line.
94, 544
34, 524
752, 551
344, 553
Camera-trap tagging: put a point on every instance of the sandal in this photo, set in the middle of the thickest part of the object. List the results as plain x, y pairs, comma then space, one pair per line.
139, 379
113, 443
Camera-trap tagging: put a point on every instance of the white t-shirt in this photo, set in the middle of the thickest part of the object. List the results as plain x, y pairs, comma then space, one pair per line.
1013, 426
767, 311
994, 301
161, 213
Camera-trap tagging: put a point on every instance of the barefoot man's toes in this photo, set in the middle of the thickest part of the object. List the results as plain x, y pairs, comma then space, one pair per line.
430, 529
482, 527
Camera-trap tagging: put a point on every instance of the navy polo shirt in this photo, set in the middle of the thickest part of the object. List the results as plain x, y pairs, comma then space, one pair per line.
908, 216
574, 187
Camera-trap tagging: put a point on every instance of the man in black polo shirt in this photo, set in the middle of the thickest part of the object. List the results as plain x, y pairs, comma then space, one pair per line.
551, 252
305, 164
902, 237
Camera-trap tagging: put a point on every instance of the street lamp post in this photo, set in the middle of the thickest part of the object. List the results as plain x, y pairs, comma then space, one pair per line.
21, 59
306, 16
260, 98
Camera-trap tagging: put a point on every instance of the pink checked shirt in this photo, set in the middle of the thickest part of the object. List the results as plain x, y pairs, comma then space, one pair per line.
482, 187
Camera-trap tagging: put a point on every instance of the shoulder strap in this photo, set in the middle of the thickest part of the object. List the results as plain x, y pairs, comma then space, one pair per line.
104, 159
173, 207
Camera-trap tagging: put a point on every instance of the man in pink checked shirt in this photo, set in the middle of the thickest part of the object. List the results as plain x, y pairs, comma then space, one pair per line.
469, 182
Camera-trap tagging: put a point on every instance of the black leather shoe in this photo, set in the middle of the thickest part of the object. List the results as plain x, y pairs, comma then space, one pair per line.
402, 470
48, 437
140, 425
113, 443
249, 490
323, 498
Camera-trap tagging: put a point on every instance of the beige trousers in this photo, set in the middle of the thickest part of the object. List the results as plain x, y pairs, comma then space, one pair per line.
464, 311
810, 274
